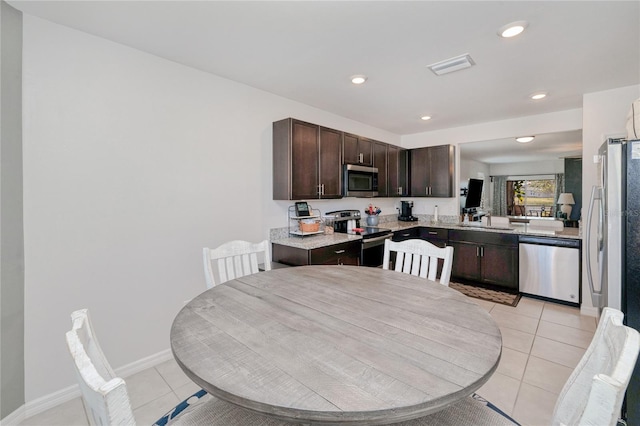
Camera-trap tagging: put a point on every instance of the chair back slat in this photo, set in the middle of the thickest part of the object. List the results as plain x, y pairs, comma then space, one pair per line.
235, 259
419, 258
433, 267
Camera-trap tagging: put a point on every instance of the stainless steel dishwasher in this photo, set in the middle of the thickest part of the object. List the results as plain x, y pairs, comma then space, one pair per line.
550, 267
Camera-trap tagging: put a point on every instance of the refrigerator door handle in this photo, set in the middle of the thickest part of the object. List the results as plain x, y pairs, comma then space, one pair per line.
596, 194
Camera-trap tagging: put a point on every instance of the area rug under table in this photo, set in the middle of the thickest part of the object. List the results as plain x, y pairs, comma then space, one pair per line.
496, 296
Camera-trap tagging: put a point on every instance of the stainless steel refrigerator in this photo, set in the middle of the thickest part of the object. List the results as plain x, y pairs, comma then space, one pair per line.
614, 277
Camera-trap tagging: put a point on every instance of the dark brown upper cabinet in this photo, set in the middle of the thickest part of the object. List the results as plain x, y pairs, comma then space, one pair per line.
307, 161
398, 171
380, 161
357, 150
432, 171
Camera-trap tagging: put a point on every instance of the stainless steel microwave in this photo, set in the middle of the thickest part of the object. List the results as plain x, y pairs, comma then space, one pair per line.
360, 181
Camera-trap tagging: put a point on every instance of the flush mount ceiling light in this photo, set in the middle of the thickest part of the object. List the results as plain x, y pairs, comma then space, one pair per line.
512, 29
358, 79
425, 117
525, 139
538, 95
453, 64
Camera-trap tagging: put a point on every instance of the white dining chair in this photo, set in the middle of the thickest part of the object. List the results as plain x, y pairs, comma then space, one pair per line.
234, 259
594, 392
419, 258
107, 402
592, 395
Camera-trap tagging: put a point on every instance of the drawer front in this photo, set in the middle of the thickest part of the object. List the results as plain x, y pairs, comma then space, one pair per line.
433, 234
406, 234
344, 253
484, 237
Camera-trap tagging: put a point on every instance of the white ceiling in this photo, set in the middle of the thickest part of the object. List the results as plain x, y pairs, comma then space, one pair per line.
545, 147
307, 50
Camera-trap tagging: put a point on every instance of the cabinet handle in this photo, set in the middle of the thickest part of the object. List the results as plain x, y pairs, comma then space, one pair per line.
399, 190
433, 233
322, 186
361, 158
481, 251
406, 235
477, 251
426, 189
319, 189
339, 251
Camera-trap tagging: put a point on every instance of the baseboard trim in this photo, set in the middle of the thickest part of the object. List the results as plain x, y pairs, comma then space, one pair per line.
61, 396
144, 363
15, 418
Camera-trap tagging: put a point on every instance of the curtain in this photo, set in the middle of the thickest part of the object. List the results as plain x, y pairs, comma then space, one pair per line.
559, 190
500, 201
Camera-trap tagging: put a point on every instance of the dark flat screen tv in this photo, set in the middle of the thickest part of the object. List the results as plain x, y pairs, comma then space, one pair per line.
474, 193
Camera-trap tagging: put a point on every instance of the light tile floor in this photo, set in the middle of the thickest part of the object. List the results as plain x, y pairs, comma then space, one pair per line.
542, 343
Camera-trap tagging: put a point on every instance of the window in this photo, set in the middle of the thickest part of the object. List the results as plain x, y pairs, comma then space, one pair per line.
531, 197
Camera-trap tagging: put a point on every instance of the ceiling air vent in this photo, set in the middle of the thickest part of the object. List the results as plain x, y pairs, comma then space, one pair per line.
450, 65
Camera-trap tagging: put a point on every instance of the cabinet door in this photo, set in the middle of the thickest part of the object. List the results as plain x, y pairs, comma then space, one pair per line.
466, 260
365, 146
393, 159
380, 161
500, 265
350, 153
403, 172
330, 163
397, 171
304, 161
357, 150
419, 172
441, 170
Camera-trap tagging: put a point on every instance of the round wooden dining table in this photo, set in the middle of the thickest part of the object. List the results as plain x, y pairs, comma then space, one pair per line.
336, 344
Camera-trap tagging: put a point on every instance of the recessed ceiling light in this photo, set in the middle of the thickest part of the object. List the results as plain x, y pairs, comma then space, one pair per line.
425, 117
358, 79
525, 139
512, 29
539, 95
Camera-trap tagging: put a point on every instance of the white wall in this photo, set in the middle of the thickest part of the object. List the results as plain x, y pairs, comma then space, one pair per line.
536, 124
528, 168
604, 115
132, 164
11, 214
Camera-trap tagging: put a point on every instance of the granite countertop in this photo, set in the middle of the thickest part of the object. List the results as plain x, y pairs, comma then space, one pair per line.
310, 242
516, 228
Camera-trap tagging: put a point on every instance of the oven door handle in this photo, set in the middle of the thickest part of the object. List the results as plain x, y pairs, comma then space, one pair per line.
370, 242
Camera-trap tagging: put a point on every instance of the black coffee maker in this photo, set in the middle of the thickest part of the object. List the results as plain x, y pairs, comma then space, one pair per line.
405, 212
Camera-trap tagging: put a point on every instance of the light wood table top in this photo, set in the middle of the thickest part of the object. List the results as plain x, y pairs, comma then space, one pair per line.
336, 344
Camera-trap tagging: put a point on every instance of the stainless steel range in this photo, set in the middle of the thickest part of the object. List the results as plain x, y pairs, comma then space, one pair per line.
372, 248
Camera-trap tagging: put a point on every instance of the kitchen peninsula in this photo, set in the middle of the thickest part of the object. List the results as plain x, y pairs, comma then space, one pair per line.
483, 255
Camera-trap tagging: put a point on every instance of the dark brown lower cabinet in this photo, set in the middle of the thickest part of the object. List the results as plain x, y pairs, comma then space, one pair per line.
485, 257
347, 253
